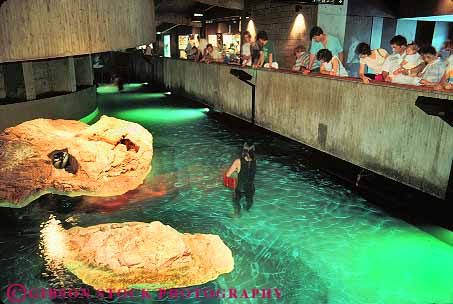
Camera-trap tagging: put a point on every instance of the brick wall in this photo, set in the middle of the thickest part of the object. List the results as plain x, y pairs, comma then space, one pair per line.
278, 21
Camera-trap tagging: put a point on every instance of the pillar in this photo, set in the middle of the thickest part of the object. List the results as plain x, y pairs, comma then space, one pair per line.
83, 70
376, 33
332, 19
14, 83
2, 83
388, 31
29, 80
441, 30
406, 28
62, 76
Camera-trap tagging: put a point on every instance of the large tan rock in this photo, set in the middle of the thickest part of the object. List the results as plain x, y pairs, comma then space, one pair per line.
108, 158
145, 255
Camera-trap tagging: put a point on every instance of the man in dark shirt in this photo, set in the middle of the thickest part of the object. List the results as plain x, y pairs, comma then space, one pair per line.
246, 169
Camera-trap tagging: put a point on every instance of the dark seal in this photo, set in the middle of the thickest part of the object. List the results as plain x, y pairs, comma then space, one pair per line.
61, 159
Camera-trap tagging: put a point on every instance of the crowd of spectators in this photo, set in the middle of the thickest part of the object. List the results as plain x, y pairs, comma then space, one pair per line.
408, 64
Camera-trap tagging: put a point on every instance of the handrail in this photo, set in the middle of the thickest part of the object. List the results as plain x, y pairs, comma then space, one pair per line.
350, 79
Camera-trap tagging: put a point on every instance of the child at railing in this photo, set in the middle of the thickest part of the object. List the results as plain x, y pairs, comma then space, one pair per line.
331, 65
247, 49
302, 59
412, 61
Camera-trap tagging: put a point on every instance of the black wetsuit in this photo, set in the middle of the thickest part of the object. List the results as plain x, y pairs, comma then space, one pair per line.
245, 185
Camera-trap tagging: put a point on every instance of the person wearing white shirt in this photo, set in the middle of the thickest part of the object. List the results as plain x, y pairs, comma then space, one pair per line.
212, 55
393, 62
330, 65
391, 68
246, 53
373, 59
412, 61
434, 70
447, 79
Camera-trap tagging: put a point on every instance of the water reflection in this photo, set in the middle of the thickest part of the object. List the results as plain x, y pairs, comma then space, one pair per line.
306, 234
52, 248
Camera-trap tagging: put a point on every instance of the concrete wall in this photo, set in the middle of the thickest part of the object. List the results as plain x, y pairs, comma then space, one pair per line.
441, 33
376, 127
44, 76
29, 80
211, 84
14, 81
70, 106
37, 29
354, 36
332, 19
83, 70
2, 83
147, 69
41, 76
62, 75
406, 28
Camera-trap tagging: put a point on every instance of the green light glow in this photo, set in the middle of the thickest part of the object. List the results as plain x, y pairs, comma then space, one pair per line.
91, 117
107, 89
442, 234
142, 96
307, 235
133, 85
412, 262
129, 100
160, 115
128, 87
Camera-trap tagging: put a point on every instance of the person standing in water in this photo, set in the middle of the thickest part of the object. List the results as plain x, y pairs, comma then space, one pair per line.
246, 169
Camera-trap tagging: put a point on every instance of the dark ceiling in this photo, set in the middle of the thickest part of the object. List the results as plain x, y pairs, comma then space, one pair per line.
174, 6
187, 8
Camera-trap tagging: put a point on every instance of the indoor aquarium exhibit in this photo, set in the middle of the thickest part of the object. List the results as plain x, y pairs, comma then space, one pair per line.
236, 151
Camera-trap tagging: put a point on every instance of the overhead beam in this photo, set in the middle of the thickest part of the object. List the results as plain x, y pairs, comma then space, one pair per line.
232, 4
173, 19
409, 8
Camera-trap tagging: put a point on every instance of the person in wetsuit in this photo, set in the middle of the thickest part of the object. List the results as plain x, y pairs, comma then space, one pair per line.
246, 169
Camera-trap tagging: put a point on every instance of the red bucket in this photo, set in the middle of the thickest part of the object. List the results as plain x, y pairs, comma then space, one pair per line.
229, 182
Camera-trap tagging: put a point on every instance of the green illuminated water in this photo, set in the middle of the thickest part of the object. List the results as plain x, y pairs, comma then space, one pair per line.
306, 234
